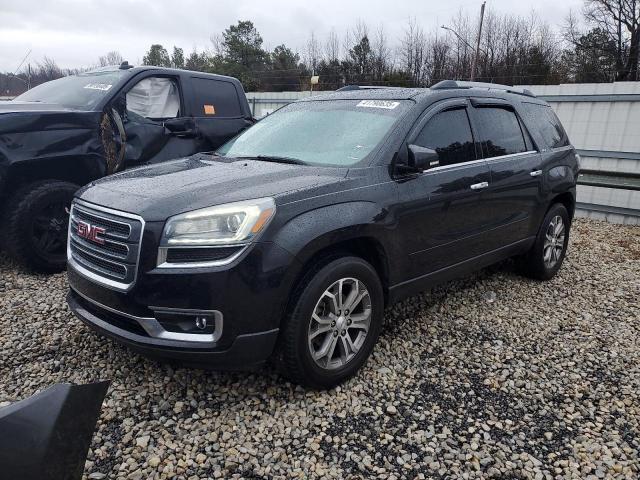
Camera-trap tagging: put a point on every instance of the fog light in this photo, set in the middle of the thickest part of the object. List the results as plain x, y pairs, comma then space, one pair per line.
201, 322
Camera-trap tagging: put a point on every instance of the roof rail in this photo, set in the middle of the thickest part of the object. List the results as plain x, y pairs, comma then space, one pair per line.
451, 84
346, 88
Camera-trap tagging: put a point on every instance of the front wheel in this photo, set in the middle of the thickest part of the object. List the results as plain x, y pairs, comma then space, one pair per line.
545, 258
333, 324
37, 223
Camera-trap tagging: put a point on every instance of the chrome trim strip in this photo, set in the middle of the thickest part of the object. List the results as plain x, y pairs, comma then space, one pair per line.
473, 162
87, 212
155, 330
106, 260
114, 285
511, 155
162, 258
455, 165
115, 256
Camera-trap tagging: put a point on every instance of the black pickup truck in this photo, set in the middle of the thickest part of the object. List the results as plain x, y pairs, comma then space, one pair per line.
65, 133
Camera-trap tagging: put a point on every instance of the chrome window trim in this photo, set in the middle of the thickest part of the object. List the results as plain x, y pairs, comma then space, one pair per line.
163, 264
155, 330
481, 160
94, 277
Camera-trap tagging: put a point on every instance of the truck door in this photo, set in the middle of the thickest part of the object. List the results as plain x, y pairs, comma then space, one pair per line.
217, 110
154, 120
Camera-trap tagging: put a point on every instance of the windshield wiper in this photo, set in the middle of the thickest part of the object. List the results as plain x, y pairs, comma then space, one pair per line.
274, 158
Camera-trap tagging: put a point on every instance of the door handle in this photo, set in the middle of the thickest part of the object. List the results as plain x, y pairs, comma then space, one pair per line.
536, 173
479, 186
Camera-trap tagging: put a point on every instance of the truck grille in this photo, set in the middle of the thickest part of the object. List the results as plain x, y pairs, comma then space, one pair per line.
104, 244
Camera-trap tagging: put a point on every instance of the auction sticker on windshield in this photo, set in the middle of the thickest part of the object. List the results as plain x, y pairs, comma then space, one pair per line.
378, 104
98, 86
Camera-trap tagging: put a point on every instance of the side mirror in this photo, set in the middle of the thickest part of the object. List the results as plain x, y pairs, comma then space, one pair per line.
422, 158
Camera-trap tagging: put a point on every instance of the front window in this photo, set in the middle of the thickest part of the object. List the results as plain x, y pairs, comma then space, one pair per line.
333, 132
83, 91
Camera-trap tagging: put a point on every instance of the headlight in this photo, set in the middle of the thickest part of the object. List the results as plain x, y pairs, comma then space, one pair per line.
230, 223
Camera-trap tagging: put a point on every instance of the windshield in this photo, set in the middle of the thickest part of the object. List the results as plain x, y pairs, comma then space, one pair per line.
334, 132
83, 91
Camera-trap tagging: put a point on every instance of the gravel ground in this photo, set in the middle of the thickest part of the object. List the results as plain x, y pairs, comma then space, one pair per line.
494, 376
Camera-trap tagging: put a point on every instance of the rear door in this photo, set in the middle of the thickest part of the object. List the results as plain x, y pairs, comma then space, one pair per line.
217, 110
443, 210
515, 189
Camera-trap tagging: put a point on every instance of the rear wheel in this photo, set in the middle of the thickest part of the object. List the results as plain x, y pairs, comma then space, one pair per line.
36, 225
334, 323
545, 258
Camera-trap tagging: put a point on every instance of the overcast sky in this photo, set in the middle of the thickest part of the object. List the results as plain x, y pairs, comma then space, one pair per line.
76, 32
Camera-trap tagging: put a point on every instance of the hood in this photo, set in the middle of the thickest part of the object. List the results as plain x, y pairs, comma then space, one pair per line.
25, 117
160, 191
21, 107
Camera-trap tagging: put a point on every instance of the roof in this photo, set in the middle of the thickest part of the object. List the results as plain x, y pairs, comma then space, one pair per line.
371, 94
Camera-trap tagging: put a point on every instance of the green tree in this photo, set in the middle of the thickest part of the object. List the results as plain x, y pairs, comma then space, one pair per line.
198, 62
240, 54
362, 57
593, 59
157, 56
177, 59
285, 70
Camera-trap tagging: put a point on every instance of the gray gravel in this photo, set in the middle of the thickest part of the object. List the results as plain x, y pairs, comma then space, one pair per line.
494, 376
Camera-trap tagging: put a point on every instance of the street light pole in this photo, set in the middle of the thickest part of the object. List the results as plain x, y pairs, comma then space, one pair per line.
475, 57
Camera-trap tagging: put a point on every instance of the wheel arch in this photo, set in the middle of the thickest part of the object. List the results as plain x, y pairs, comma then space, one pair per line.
568, 200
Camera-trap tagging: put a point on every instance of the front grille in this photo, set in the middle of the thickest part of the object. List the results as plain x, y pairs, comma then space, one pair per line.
111, 257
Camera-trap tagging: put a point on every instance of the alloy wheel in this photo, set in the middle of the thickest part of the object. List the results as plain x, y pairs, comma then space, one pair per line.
340, 323
553, 242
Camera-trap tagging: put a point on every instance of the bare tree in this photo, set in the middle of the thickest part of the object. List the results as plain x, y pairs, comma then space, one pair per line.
332, 48
621, 20
412, 52
312, 54
110, 58
382, 60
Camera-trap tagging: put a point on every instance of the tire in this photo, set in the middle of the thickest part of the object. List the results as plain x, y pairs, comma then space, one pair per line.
37, 224
295, 355
545, 258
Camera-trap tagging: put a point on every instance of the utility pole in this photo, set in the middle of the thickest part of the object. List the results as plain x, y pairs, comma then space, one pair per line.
474, 65
29, 76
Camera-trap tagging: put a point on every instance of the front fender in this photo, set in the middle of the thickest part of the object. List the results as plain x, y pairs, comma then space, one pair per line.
314, 230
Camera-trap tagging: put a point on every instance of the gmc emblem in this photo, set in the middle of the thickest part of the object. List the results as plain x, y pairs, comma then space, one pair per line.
91, 232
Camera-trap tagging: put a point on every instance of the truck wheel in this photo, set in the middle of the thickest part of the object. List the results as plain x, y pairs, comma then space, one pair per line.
545, 258
333, 324
37, 223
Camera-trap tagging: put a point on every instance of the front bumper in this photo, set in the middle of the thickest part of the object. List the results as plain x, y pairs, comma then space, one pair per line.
247, 299
245, 352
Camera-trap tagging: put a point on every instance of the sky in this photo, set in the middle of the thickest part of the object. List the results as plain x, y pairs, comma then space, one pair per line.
76, 32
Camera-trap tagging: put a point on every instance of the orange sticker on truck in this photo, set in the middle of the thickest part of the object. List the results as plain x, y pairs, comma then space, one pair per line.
209, 110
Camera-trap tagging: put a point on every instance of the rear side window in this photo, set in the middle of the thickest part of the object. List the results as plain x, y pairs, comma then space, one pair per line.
215, 98
449, 134
543, 119
501, 131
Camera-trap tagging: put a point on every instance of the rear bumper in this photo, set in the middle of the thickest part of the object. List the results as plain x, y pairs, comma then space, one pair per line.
246, 351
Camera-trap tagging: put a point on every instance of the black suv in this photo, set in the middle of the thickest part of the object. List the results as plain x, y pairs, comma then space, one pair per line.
67, 132
288, 242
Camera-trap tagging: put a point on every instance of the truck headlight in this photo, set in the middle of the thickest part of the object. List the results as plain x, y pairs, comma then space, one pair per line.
227, 224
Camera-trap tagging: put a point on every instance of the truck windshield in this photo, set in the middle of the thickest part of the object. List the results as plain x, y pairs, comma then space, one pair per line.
83, 91
329, 132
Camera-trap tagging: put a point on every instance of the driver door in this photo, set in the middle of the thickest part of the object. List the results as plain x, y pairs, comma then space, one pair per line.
154, 120
444, 208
